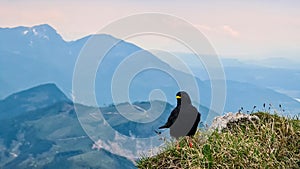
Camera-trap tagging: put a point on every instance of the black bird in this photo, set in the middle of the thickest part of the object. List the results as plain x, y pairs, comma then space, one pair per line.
184, 119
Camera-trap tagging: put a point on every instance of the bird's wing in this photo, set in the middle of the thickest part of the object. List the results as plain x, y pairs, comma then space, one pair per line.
198, 113
173, 116
198, 117
195, 115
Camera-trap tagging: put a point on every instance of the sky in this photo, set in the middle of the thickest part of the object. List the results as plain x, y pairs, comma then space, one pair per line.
239, 29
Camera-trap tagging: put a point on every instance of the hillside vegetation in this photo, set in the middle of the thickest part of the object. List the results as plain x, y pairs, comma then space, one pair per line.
271, 142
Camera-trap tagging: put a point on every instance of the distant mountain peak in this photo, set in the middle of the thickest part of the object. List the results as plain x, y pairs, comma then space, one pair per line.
30, 39
46, 86
44, 26
38, 97
42, 31
49, 88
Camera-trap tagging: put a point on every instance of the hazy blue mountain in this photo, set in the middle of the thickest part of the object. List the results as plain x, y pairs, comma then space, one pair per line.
266, 83
29, 100
30, 56
279, 74
285, 61
146, 81
48, 136
246, 95
280, 79
43, 56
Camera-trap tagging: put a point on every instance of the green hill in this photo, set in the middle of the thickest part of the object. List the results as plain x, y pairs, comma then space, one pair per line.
271, 142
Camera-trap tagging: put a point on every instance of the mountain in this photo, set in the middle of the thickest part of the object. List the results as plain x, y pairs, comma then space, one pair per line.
252, 83
279, 79
290, 62
279, 74
48, 134
247, 95
43, 56
30, 56
29, 38
30, 100
35, 55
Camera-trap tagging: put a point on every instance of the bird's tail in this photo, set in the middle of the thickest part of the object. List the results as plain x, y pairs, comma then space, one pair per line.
162, 127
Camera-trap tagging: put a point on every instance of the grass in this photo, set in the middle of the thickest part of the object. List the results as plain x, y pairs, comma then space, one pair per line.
271, 142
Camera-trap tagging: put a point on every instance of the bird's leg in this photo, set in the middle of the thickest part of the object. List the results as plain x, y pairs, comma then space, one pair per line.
189, 140
177, 145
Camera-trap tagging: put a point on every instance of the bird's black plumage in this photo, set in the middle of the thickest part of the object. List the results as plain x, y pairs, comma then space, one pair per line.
184, 119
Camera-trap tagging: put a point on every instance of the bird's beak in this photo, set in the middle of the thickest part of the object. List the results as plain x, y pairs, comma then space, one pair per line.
178, 97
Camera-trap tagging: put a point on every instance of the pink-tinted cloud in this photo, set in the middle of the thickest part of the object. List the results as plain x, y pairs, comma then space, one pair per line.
219, 30
229, 30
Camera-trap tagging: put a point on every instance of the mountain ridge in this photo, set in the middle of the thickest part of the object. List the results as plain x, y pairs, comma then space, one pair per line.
43, 63
31, 99
49, 136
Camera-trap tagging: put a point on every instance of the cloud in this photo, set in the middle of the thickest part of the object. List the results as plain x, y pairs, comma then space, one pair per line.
219, 30
227, 29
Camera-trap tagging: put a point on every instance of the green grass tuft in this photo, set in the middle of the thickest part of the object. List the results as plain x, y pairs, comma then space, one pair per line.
271, 142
